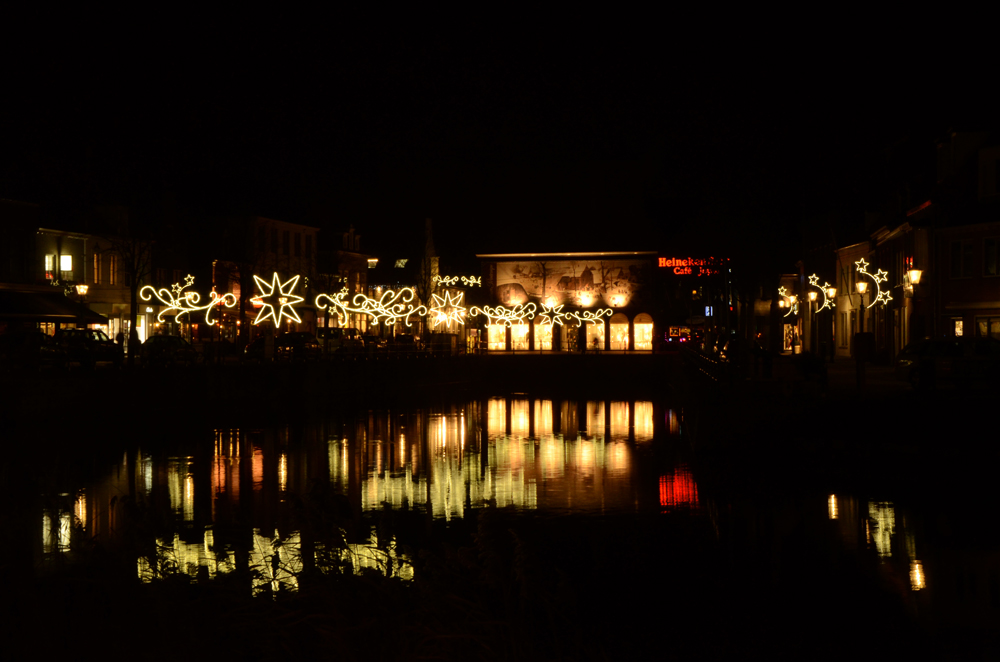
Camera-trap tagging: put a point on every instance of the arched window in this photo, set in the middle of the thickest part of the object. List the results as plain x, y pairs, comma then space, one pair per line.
643, 326
619, 331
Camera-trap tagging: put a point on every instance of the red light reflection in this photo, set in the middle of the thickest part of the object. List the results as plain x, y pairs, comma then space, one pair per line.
678, 489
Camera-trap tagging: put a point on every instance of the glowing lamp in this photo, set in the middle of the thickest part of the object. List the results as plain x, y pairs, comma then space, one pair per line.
81, 289
812, 296
831, 292
915, 275
781, 303
862, 287
794, 298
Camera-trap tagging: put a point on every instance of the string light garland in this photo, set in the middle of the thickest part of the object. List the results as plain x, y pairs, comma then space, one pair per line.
277, 299
392, 306
506, 316
185, 303
880, 276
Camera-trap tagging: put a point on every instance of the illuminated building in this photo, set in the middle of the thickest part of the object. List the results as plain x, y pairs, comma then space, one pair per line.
567, 301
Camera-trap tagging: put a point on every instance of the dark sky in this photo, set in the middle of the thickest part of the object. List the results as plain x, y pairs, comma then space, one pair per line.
509, 142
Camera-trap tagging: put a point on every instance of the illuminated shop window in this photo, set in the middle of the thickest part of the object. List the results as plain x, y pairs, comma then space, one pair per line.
497, 336
543, 336
570, 338
643, 326
50, 267
519, 337
957, 328
619, 331
595, 336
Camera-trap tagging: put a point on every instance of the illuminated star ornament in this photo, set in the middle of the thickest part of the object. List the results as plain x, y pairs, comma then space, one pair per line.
448, 309
277, 299
186, 302
882, 296
814, 281
552, 314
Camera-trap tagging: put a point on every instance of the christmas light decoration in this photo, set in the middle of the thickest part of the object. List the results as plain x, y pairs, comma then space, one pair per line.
593, 317
506, 316
552, 314
277, 299
814, 281
448, 309
470, 281
880, 276
186, 303
446, 281
793, 304
392, 306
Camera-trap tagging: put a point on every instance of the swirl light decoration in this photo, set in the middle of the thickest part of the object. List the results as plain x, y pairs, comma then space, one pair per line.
277, 299
506, 316
470, 281
451, 281
448, 309
880, 276
392, 306
446, 281
183, 302
793, 303
814, 281
593, 317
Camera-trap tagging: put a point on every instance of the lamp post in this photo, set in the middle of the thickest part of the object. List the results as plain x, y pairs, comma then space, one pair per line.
831, 293
813, 334
859, 358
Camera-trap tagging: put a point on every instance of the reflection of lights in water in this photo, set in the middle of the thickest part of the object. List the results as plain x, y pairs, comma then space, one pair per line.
643, 421
402, 448
917, 579
283, 472
619, 415
585, 456
673, 422
257, 468
519, 420
617, 457
551, 451
832, 505
80, 508
595, 419
496, 416
678, 489
543, 418
885, 523
180, 486
56, 537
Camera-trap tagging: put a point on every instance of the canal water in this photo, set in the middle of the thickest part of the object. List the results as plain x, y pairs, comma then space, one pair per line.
601, 509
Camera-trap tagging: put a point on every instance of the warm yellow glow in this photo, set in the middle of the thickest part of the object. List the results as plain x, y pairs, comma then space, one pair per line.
862, 287
66, 263
643, 336
552, 314
82, 288
496, 337
593, 317
390, 307
917, 578
914, 275
586, 298
543, 336
186, 302
471, 281
80, 508
505, 316
812, 296
519, 337
278, 292
619, 335
448, 309
832, 506
883, 514
446, 281
283, 472
880, 276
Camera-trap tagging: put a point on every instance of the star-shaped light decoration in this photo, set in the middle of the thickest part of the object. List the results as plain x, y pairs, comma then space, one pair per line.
448, 309
814, 280
782, 291
881, 276
862, 265
186, 302
277, 299
552, 314
884, 297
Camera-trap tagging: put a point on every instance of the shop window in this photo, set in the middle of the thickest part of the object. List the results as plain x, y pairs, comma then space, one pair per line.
988, 326
496, 336
519, 337
595, 336
957, 328
543, 336
643, 326
619, 331
570, 338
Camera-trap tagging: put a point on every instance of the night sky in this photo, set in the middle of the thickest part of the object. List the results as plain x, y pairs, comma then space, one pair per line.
532, 141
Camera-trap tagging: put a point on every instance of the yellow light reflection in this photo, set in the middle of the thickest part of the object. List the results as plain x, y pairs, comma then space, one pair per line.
283, 472
883, 514
643, 421
80, 508
917, 578
832, 505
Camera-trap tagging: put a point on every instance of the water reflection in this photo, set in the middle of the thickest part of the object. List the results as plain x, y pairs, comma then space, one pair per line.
233, 503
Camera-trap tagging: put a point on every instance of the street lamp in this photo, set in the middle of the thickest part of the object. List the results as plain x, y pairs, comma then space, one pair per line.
914, 275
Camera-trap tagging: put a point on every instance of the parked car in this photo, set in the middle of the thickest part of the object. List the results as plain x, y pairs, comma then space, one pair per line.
88, 347
959, 362
296, 346
374, 344
341, 340
163, 351
30, 349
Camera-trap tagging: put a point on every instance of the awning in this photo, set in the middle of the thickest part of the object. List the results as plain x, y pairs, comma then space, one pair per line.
45, 307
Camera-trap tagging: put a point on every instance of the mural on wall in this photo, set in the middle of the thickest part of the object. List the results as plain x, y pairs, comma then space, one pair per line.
585, 282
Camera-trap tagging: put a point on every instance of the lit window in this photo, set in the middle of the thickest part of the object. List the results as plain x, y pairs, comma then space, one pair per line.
97, 268
957, 327
543, 336
65, 263
519, 337
50, 266
113, 270
497, 336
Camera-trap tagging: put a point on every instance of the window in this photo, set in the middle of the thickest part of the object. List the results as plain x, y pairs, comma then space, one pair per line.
298, 244
988, 326
990, 266
957, 327
50, 267
97, 268
112, 269
961, 259
65, 263
309, 246
284, 242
